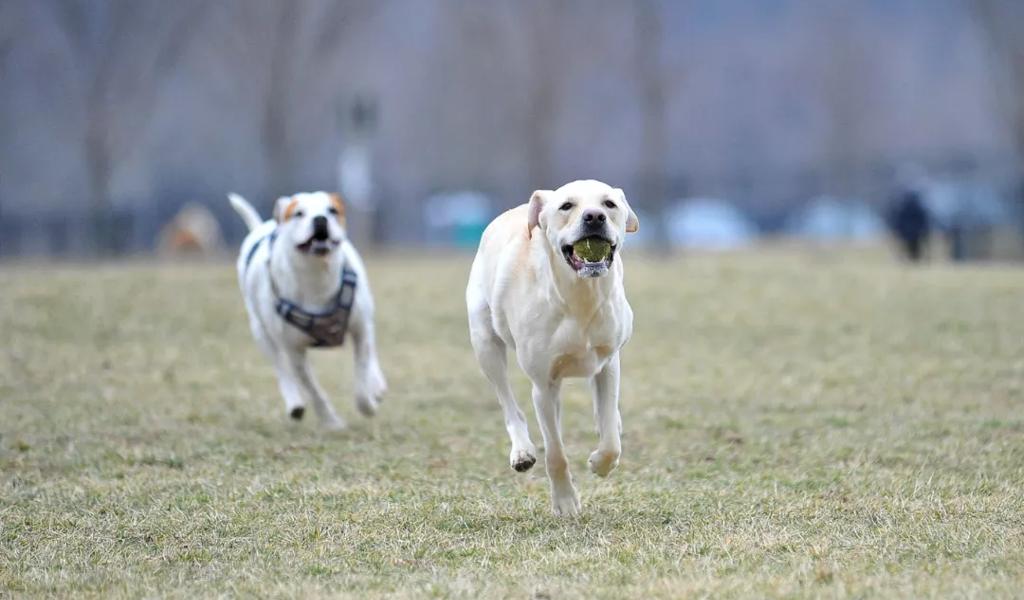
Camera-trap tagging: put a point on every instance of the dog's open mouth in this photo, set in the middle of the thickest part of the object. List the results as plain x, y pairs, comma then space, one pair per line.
318, 247
590, 256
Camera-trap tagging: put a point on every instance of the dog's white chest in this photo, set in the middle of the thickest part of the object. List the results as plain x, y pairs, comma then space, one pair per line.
577, 352
580, 364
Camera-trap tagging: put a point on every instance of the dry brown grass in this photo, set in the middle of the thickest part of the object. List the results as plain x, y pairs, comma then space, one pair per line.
794, 426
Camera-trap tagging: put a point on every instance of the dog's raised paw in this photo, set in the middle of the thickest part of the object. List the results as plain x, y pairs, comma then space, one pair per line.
522, 460
297, 412
602, 463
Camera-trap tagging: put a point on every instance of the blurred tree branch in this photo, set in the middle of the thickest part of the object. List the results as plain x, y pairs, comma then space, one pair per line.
125, 51
294, 44
1001, 21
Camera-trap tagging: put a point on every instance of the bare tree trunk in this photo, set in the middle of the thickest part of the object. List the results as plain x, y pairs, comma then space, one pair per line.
542, 19
275, 113
99, 169
999, 21
655, 149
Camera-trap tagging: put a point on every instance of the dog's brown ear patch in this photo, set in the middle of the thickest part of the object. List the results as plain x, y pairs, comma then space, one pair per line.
285, 208
339, 205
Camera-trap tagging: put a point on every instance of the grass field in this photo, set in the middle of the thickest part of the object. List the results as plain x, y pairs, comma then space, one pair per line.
794, 426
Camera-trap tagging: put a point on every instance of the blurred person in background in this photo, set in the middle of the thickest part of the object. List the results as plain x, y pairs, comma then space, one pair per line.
909, 219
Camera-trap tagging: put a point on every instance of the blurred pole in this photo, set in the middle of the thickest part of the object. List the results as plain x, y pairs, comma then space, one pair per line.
655, 143
358, 124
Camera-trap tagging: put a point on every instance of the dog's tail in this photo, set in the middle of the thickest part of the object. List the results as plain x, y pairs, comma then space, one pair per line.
246, 211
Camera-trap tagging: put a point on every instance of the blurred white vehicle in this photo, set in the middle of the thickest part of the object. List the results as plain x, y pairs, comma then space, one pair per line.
708, 224
965, 204
828, 219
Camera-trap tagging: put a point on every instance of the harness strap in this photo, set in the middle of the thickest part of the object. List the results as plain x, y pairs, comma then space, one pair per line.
252, 251
327, 328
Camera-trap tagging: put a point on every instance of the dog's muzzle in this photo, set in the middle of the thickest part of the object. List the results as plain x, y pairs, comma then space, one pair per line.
586, 266
320, 231
320, 243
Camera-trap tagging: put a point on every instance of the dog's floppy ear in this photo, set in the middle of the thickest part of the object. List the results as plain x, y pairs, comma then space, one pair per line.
537, 201
338, 204
284, 208
632, 223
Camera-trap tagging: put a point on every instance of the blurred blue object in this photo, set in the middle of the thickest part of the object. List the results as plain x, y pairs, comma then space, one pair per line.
830, 219
456, 218
707, 223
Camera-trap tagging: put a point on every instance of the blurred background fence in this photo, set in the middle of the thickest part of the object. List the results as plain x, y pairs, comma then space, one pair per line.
724, 120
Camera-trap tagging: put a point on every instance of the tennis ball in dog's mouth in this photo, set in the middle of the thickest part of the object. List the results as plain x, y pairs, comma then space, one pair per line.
592, 249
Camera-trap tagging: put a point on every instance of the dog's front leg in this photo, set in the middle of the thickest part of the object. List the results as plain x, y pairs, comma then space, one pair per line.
606, 412
294, 399
309, 385
370, 384
564, 499
287, 382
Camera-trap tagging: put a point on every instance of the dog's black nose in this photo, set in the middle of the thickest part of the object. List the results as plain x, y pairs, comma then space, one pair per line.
320, 228
592, 217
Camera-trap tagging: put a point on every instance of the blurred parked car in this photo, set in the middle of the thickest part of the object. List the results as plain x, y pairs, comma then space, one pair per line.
970, 214
707, 223
830, 219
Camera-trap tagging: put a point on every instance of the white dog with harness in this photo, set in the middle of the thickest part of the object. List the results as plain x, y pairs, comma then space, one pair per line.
305, 287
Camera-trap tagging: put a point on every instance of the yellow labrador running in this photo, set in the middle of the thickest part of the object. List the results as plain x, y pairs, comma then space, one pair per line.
547, 283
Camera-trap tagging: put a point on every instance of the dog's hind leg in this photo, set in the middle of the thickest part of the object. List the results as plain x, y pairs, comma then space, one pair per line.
609, 424
492, 356
564, 499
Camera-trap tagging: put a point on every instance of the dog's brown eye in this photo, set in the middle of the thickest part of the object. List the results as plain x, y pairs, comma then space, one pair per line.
299, 214
566, 206
609, 204
332, 210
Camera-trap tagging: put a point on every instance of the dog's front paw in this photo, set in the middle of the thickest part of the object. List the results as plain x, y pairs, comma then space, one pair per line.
565, 502
603, 462
367, 404
370, 394
522, 460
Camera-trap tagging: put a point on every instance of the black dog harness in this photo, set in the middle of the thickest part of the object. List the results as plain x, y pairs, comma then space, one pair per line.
328, 328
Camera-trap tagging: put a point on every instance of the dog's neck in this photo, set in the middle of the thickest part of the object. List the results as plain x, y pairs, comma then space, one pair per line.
310, 281
582, 296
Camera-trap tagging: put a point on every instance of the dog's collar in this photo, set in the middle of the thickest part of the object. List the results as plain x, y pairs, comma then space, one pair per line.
327, 328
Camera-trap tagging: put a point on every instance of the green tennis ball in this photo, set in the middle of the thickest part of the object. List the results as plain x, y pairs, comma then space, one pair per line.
592, 249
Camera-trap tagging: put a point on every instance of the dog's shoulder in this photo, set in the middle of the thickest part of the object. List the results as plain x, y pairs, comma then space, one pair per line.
254, 246
506, 227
